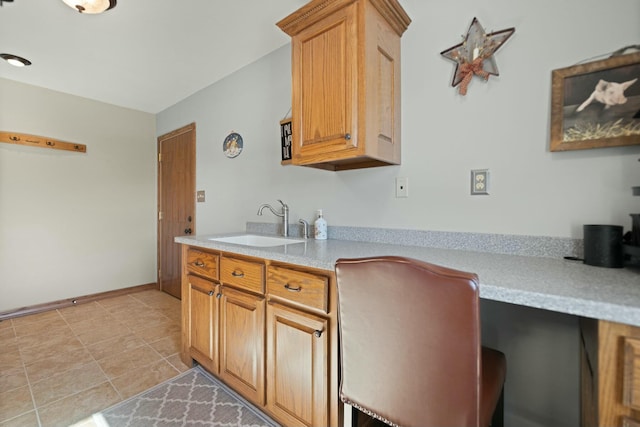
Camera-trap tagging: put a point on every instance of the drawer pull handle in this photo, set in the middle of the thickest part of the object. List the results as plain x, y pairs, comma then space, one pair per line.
317, 333
210, 293
199, 263
237, 273
293, 288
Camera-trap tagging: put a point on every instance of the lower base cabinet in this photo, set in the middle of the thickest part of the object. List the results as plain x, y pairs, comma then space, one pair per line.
610, 374
297, 366
266, 329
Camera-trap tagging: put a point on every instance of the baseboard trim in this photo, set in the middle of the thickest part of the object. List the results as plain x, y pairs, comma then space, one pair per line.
40, 308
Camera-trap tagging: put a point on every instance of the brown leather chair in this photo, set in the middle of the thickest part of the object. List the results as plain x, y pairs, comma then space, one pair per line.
410, 345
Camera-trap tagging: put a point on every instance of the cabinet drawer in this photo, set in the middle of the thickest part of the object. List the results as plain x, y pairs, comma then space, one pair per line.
300, 287
243, 274
203, 263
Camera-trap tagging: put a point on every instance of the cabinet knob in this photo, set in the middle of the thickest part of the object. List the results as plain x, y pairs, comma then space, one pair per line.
199, 263
210, 293
317, 333
237, 273
347, 136
219, 295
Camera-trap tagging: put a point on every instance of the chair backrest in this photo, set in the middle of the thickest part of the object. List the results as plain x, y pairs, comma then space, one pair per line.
409, 341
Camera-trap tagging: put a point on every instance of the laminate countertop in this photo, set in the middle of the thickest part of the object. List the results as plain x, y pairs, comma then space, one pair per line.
554, 284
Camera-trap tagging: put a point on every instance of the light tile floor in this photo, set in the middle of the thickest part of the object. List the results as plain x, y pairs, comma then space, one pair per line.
61, 366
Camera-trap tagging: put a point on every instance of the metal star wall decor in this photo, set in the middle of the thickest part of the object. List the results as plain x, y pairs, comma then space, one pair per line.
474, 56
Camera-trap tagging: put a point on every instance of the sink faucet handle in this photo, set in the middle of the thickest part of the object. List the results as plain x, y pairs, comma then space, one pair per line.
283, 204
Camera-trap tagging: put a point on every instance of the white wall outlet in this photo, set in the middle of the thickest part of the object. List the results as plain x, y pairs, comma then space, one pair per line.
200, 196
480, 182
402, 187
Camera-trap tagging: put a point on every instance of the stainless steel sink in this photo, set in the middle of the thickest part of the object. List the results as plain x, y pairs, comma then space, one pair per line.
256, 240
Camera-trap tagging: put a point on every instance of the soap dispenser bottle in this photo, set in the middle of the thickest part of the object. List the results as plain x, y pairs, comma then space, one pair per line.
320, 227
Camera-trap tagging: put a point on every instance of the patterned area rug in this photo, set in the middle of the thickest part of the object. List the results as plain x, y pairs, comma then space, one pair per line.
194, 398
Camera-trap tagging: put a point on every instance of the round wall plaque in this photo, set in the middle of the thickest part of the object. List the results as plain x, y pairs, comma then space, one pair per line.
232, 145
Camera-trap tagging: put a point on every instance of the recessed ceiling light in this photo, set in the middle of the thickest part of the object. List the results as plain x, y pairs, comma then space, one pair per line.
15, 60
91, 6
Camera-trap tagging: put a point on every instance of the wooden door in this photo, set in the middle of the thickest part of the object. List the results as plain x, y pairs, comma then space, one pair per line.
297, 366
176, 202
203, 321
324, 88
242, 343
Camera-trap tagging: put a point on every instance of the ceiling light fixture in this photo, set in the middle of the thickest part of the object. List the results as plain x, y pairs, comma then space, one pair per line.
15, 60
90, 6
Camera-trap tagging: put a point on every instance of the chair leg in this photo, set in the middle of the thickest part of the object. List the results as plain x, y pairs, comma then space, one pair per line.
350, 415
497, 419
354, 417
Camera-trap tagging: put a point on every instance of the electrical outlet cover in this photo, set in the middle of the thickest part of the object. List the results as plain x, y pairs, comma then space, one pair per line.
480, 182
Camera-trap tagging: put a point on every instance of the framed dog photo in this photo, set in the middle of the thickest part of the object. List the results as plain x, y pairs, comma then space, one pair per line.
596, 104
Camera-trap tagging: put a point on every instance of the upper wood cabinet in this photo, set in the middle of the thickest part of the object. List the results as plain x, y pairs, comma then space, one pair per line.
346, 82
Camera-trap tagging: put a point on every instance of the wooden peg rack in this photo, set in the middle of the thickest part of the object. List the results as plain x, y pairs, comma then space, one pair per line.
40, 141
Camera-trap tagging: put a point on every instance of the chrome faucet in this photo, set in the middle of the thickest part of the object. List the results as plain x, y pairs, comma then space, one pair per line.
305, 228
284, 215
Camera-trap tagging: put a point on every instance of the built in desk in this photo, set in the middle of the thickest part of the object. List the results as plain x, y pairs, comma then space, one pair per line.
607, 302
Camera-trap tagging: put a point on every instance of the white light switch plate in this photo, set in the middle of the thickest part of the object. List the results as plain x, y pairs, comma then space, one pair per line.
402, 187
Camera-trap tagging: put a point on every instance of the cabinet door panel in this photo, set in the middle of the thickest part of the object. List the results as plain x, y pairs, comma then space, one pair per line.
628, 422
242, 343
297, 366
203, 315
324, 85
631, 373
383, 74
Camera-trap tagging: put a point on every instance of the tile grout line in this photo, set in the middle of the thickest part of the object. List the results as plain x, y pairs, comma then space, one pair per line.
93, 357
161, 312
26, 374
94, 360
37, 408
107, 379
24, 370
147, 344
159, 307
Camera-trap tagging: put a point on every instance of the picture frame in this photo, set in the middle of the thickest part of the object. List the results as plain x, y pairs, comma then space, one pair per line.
596, 104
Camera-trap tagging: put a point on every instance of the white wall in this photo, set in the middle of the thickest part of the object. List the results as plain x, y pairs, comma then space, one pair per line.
502, 125
73, 224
